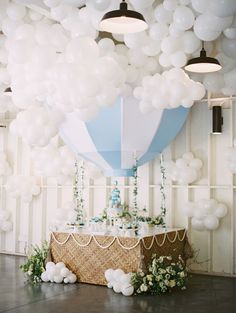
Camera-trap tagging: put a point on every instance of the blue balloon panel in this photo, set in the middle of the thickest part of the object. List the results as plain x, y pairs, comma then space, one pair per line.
121, 133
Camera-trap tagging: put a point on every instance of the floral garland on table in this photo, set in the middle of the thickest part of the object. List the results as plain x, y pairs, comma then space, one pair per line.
78, 191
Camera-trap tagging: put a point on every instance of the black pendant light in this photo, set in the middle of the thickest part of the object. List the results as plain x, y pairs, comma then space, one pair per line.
217, 119
203, 64
123, 21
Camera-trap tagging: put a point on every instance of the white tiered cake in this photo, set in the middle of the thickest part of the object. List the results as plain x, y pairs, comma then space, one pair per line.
114, 209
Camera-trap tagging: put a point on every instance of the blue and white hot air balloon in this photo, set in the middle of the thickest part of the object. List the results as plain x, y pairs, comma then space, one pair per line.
121, 133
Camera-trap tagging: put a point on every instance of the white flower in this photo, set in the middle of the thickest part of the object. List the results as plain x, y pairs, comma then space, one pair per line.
149, 277
182, 274
166, 282
172, 283
29, 273
159, 277
143, 288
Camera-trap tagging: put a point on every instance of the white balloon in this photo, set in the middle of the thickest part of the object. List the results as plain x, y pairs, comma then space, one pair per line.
211, 222
117, 274
188, 156
141, 4
229, 47
222, 8
44, 277
178, 59
174, 31
158, 31
190, 42
164, 60
230, 33
125, 279
221, 210
64, 272
170, 5
82, 49
196, 164
60, 265
109, 274
109, 285
197, 224
50, 264
117, 287
58, 279
162, 15
127, 290
16, 11
72, 278
200, 6
202, 31
183, 17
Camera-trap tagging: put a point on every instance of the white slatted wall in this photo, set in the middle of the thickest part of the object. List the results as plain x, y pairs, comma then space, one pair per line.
216, 249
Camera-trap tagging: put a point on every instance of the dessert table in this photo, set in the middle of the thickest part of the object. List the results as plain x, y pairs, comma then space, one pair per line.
90, 255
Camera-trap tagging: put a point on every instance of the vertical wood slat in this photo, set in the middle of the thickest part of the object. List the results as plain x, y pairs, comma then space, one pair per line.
233, 215
210, 161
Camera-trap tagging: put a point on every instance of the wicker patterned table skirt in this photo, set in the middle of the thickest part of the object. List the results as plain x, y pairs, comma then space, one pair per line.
89, 256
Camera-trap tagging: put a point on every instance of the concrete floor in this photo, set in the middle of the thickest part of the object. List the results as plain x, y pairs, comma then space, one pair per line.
204, 294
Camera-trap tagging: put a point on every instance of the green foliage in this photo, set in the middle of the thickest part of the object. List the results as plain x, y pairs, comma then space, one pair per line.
157, 220
163, 275
34, 266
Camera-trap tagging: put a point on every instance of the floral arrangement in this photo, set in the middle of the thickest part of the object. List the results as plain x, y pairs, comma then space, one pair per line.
35, 264
163, 275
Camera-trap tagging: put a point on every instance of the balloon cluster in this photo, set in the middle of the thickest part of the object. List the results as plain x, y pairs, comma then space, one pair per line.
5, 168
58, 273
119, 281
168, 90
67, 66
185, 170
205, 213
63, 63
5, 223
53, 161
231, 158
36, 125
24, 187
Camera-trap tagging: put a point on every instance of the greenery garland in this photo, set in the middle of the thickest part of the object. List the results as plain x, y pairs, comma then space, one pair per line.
78, 191
135, 188
162, 188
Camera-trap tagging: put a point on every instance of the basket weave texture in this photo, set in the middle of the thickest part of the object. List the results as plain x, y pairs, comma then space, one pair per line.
88, 259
